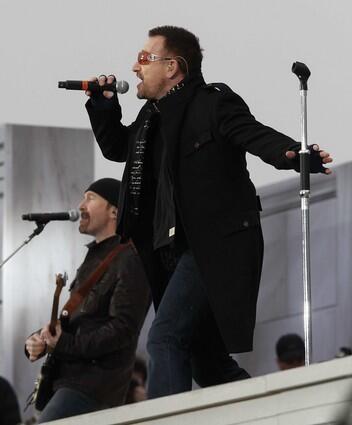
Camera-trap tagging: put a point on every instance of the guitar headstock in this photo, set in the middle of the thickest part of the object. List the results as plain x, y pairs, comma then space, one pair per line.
61, 280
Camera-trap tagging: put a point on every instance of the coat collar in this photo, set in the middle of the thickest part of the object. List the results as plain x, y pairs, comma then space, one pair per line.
172, 109
178, 97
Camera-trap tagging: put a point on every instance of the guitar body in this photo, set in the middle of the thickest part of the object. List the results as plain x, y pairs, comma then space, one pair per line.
44, 384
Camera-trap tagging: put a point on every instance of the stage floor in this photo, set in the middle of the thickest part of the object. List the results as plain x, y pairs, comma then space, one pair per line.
314, 395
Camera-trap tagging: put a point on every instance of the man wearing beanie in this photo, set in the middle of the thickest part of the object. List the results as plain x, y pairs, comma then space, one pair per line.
95, 350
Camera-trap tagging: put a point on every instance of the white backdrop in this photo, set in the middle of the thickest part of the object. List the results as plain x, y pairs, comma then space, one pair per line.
249, 44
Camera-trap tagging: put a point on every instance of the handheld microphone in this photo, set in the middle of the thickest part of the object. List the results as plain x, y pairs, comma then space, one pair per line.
72, 215
118, 86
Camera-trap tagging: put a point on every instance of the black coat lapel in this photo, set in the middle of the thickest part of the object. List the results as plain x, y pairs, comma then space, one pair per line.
172, 110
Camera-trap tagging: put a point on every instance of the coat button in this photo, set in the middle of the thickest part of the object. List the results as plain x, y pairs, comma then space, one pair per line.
245, 223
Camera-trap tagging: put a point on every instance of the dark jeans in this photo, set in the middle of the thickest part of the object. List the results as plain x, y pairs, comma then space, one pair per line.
184, 340
67, 402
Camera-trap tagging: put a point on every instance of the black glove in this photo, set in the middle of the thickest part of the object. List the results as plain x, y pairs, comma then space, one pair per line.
102, 103
315, 160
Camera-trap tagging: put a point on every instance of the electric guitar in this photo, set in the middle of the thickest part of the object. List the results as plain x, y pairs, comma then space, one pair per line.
43, 387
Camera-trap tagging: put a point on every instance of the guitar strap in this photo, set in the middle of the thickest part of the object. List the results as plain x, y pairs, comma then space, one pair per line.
77, 297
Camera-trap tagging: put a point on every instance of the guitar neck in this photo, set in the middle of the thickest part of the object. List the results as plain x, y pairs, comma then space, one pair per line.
54, 312
60, 283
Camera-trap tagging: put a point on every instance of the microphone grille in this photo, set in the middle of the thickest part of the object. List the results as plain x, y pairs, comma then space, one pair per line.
73, 215
122, 86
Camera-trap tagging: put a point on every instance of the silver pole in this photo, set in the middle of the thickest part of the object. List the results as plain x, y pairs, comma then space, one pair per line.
37, 231
303, 73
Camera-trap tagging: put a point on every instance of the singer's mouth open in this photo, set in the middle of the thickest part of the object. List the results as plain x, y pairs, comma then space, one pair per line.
84, 216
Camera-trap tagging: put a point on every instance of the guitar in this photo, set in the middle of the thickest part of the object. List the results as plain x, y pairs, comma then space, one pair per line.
43, 387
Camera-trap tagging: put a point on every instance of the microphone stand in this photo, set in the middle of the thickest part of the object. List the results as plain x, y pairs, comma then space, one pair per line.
303, 73
37, 231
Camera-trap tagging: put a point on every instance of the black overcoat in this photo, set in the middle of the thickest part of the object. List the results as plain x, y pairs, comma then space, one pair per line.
210, 129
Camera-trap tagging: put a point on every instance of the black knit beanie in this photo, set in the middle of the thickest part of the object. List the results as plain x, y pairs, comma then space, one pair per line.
107, 188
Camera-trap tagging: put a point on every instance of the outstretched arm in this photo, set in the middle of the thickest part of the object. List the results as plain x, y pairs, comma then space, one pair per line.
237, 125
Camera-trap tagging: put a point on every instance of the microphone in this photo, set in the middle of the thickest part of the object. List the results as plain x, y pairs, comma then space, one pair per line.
72, 215
118, 86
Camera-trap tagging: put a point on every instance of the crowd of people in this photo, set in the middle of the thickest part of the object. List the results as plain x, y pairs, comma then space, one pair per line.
182, 229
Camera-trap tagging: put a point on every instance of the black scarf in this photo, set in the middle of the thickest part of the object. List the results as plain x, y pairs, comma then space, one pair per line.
137, 162
172, 109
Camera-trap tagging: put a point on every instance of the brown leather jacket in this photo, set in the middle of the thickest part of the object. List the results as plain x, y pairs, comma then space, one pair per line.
97, 349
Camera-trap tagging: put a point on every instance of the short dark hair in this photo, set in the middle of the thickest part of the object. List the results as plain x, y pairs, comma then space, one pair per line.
290, 348
182, 43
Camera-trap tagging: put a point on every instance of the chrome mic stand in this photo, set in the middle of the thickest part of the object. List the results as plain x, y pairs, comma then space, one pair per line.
303, 73
37, 231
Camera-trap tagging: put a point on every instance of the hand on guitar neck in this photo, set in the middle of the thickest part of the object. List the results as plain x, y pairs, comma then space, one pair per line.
50, 338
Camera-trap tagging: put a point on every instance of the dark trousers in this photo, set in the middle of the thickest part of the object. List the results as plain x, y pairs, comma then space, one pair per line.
67, 402
184, 340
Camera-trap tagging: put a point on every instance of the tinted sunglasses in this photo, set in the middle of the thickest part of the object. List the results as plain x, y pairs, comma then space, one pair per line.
145, 58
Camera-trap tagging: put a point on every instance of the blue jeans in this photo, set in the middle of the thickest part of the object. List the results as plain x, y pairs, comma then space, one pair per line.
184, 340
67, 402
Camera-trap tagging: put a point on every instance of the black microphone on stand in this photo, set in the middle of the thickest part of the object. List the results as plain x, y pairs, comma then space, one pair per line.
118, 86
302, 72
72, 215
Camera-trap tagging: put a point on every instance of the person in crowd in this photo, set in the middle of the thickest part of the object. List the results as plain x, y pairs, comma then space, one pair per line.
9, 408
290, 352
137, 389
95, 351
189, 205
140, 372
343, 352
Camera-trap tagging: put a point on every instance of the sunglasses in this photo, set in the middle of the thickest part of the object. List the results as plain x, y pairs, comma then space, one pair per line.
145, 58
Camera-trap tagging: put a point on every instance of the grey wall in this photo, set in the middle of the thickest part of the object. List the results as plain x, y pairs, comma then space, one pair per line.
280, 306
45, 169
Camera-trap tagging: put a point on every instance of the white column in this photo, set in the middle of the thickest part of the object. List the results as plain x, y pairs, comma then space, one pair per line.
46, 170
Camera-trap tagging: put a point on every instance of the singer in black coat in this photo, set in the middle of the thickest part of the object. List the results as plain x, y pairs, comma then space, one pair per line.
216, 199
187, 192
